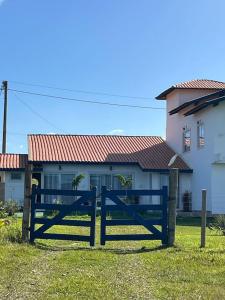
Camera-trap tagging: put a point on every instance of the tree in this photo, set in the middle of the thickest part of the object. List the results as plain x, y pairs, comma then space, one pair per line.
77, 180
126, 182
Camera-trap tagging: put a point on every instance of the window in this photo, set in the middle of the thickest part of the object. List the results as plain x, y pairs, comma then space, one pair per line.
201, 134
110, 181
58, 181
100, 180
16, 176
66, 181
186, 139
51, 181
66, 184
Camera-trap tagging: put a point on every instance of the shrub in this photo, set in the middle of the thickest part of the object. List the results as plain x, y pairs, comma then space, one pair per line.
218, 224
3, 213
11, 232
11, 207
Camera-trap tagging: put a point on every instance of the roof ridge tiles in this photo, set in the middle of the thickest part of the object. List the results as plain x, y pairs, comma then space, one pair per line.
100, 135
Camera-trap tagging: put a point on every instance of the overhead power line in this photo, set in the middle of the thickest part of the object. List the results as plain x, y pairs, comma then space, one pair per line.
36, 113
80, 91
86, 101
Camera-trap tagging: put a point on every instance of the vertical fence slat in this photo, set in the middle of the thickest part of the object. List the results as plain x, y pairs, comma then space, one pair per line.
103, 216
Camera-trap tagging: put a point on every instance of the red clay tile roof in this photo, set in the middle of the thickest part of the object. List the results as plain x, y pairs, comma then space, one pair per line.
148, 152
13, 161
204, 84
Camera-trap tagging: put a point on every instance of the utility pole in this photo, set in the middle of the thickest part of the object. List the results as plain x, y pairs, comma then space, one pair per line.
5, 89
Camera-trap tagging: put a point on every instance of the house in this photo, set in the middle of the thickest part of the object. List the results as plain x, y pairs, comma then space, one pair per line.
195, 130
57, 159
12, 168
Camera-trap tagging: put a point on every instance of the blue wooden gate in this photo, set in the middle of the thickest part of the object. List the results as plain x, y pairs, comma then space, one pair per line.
134, 212
86, 202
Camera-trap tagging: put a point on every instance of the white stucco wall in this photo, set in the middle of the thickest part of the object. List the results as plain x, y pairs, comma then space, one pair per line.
199, 159
14, 189
141, 180
218, 188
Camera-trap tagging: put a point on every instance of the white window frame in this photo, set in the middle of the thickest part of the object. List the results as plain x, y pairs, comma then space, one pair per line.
200, 135
186, 148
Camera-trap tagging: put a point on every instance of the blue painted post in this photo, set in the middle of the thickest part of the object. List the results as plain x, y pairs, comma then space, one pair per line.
32, 216
93, 219
103, 216
164, 216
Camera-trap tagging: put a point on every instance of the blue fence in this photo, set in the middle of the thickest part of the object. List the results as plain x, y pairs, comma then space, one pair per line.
86, 202
134, 212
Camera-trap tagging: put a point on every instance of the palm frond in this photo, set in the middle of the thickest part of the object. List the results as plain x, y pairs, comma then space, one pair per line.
124, 181
77, 180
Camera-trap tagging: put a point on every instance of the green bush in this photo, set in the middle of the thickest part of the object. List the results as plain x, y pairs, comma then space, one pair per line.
218, 224
11, 207
11, 232
3, 213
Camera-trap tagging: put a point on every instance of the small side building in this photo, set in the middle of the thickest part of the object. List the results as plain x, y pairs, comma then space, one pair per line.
12, 170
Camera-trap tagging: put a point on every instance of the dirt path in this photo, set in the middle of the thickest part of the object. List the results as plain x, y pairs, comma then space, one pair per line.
131, 276
27, 281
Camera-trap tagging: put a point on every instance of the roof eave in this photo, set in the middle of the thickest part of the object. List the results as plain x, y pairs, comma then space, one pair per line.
163, 95
196, 101
214, 102
110, 163
12, 169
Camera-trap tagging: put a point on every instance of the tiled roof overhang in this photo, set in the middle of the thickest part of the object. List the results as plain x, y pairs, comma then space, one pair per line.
203, 84
13, 162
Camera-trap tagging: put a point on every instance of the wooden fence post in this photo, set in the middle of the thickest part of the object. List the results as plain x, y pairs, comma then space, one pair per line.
203, 219
26, 204
172, 205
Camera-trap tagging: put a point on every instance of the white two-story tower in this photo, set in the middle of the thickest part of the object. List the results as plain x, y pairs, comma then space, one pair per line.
195, 129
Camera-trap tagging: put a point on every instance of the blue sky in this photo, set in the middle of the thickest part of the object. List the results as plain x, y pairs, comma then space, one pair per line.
129, 47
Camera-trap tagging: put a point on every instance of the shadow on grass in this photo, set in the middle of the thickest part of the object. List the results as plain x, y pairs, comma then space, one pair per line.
119, 251
191, 221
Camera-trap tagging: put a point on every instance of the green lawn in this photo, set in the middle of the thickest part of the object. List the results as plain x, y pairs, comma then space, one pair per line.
120, 270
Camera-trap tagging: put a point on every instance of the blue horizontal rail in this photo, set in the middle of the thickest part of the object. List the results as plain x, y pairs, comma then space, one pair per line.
134, 193
60, 207
136, 207
132, 237
68, 237
131, 222
64, 222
